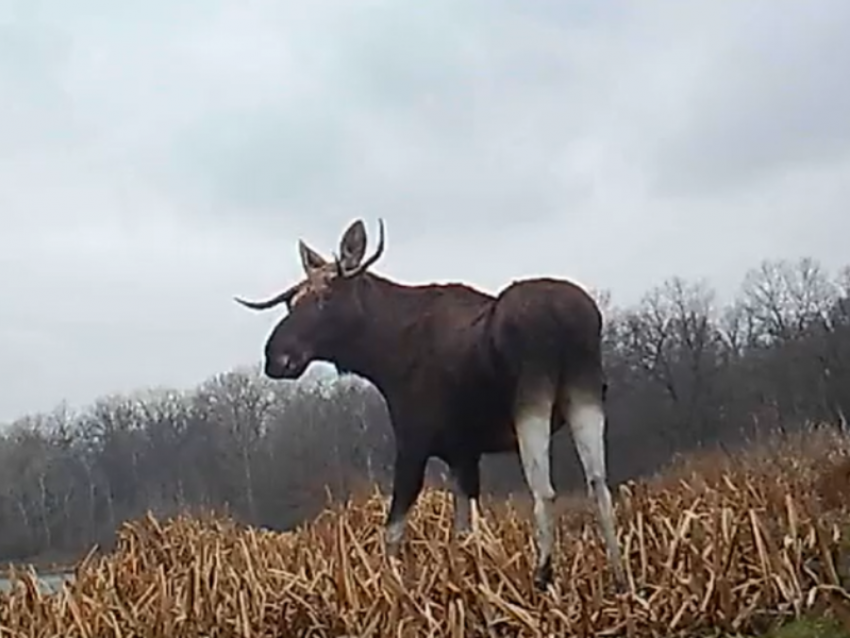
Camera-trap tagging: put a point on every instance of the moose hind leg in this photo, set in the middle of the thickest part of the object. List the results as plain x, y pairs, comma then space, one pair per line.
533, 426
587, 423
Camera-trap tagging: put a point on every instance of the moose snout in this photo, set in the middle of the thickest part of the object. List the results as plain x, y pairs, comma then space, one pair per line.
283, 366
277, 365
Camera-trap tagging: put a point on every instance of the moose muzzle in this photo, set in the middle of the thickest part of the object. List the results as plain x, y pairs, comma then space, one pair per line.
284, 366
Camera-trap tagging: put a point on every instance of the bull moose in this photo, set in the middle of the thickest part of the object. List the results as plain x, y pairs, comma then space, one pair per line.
463, 374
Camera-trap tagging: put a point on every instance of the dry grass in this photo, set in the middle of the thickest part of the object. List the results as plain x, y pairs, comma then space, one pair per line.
716, 544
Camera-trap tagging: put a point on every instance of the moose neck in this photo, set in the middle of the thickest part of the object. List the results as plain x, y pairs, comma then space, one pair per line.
384, 345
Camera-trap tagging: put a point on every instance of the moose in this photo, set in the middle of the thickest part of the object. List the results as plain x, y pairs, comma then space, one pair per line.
463, 374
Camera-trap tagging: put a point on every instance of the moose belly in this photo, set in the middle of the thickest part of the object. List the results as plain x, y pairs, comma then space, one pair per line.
499, 439
484, 431
491, 429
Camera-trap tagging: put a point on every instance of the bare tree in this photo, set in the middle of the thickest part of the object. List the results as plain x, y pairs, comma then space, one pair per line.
682, 371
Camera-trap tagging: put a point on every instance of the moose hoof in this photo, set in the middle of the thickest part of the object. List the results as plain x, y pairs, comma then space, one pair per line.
621, 585
543, 576
461, 532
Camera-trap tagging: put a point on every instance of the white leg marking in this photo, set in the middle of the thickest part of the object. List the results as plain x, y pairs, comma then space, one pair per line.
394, 533
587, 422
463, 512
466, 515
474, 514
533, 433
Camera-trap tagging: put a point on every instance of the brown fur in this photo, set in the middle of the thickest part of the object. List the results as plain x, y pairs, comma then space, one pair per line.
452, 362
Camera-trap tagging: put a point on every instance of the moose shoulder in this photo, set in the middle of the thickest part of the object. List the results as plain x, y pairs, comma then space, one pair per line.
463, 374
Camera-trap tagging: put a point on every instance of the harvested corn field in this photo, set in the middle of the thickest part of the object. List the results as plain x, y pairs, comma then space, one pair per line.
715, 545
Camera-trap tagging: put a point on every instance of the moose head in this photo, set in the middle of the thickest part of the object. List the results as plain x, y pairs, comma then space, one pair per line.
323, 307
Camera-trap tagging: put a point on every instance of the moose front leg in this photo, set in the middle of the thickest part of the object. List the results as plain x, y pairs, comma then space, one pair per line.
408, 479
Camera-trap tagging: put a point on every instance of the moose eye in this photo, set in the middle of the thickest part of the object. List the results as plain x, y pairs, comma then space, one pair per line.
314, 299
320, 299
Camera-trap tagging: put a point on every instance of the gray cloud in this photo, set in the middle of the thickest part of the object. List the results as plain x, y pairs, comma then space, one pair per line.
772, 97
157, 159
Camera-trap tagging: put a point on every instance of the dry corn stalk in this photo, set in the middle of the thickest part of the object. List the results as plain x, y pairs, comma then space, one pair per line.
722, 545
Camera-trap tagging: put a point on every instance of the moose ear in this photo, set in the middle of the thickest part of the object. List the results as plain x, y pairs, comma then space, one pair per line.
310, 259
352, 246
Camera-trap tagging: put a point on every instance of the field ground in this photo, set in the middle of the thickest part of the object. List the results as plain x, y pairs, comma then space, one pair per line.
811, 628
743, 545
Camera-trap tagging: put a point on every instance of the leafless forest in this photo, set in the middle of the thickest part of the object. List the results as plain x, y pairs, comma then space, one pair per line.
684, 371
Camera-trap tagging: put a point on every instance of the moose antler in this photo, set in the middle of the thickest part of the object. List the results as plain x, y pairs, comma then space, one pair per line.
285, 296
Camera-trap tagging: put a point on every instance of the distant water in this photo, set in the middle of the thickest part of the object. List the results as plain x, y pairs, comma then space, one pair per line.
49, 582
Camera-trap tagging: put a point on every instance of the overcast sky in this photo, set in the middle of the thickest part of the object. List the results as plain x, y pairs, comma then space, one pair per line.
157, 158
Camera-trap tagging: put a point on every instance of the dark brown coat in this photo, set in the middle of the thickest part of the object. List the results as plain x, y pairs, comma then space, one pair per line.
451, 362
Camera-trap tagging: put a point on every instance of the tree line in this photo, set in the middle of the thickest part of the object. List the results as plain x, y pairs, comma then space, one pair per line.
684, 371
